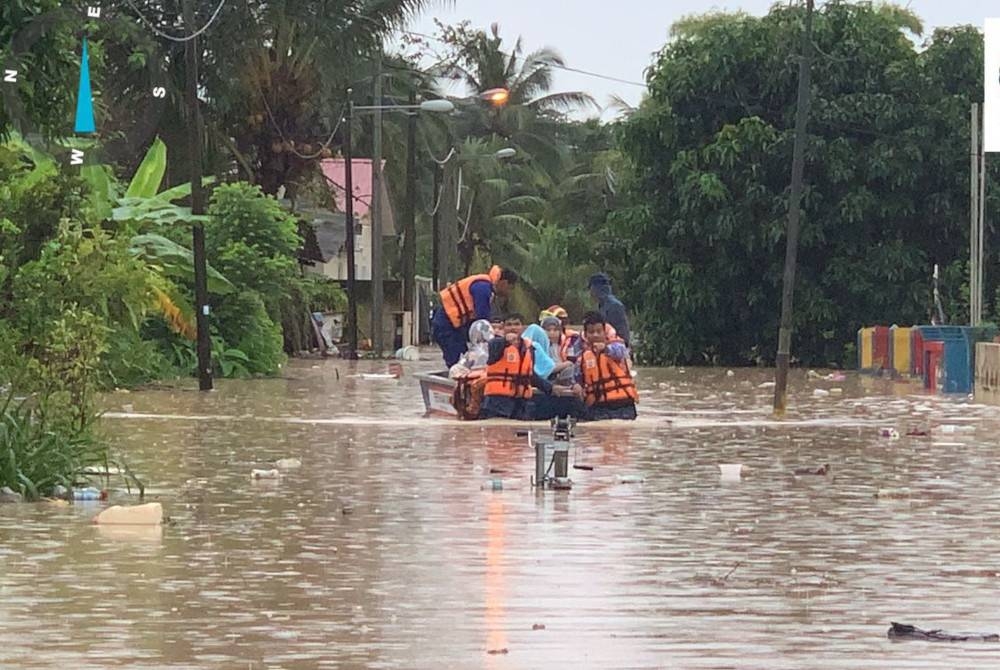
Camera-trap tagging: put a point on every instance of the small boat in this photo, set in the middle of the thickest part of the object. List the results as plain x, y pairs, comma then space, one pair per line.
437, 389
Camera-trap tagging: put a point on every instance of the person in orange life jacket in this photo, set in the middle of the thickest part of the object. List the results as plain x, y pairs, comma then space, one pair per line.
510, 373
603, 374
560, 350
463, 302
563, 401
570, 342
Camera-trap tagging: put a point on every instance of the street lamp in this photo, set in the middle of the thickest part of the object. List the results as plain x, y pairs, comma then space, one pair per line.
439, 106
502, 154
498, 97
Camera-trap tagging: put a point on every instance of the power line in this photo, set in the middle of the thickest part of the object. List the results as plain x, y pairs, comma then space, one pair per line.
600, 76
323, 147
174, 38
553, 65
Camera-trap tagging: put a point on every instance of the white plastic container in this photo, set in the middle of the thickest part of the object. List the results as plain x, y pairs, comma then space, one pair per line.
150, 514
731, 472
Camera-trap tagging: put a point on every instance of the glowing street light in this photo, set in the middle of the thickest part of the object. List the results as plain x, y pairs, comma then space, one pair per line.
497, 97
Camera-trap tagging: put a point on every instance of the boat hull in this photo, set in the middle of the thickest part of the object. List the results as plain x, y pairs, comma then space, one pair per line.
437, 389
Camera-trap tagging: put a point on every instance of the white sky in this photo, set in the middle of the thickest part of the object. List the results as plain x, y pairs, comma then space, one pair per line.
619, 38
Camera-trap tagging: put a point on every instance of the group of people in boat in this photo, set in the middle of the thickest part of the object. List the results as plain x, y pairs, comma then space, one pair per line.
507, 367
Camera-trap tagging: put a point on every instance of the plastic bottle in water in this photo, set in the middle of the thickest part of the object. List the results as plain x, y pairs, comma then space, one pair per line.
498, 484
89, 493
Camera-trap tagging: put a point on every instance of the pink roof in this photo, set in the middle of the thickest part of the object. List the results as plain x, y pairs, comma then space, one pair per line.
361, 177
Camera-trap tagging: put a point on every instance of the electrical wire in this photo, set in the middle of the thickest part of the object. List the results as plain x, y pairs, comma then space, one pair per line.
552, 65
323, 147
174, 38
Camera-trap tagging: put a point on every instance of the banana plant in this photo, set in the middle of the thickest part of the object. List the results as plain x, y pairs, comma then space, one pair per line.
143, 200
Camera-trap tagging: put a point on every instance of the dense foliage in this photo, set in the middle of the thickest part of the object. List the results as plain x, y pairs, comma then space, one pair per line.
886, 195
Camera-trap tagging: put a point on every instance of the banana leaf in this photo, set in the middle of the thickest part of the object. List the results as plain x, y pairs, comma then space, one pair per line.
147, 178
175, 260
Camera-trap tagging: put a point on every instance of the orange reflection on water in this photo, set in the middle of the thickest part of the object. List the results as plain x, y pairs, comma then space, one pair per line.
495, 616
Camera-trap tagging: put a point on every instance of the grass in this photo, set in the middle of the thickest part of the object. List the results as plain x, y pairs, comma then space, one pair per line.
39, 452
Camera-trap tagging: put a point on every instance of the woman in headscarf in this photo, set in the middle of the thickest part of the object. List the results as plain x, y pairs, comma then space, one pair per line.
544, 365
560, 402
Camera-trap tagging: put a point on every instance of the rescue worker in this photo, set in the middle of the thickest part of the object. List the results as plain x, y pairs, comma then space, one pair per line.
510, 373
463, 302
610, 307
604, 376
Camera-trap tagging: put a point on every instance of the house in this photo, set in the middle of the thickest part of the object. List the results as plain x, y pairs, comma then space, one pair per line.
325, 250
329, 226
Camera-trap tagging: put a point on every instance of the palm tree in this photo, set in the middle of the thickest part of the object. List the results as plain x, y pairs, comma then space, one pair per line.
533, 111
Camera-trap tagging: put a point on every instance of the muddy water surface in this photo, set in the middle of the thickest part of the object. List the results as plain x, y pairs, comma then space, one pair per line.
382, 551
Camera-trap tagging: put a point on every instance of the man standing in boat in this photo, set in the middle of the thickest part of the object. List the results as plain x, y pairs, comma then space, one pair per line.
463, 302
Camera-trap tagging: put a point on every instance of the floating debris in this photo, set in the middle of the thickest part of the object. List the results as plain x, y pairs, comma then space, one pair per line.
265, 474
894, 494
8, 495
903, 631
288, 463
150, 514
731, 471
631, 479
822, 471
888, 433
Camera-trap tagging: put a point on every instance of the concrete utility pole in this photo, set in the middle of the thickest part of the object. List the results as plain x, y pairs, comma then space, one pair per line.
792, 243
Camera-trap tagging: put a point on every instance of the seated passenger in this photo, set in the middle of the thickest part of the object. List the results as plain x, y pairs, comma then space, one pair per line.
563, 400
560, 349
511, 372
470, 372
480, 333
604, 375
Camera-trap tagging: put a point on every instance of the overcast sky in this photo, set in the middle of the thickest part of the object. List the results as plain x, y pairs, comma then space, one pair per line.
619, 38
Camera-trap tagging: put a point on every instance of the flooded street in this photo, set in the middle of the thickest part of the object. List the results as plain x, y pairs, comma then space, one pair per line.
382, 551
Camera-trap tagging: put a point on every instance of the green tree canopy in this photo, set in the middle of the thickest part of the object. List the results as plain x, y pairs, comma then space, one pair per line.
709, 154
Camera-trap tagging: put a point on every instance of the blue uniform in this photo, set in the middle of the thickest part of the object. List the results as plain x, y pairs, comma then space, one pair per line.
455, 341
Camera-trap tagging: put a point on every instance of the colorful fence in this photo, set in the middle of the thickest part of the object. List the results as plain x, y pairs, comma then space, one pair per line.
943, 356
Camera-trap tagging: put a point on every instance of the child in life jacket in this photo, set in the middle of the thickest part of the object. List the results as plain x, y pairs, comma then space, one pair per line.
603, 374
510, 373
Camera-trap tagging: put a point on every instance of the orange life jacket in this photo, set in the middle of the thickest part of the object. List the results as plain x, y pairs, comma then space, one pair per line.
456, 298
510, 377
606, 380
567, 339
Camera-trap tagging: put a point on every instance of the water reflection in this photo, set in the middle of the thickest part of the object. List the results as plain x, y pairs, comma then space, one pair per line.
382, 550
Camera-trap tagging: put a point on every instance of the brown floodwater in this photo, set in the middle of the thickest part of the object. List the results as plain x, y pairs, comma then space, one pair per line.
382, 551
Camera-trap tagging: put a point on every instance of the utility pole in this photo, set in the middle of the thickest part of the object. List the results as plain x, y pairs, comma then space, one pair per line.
436, 230
792, 242
409, 217
977, 183
973, 210
378, 288
197, 206
352, 296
